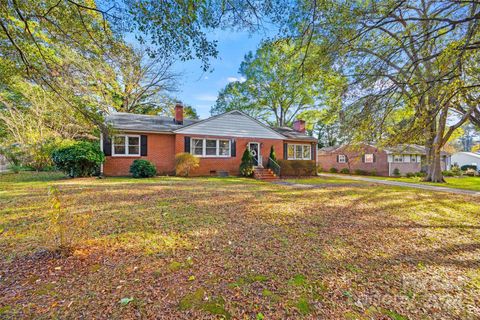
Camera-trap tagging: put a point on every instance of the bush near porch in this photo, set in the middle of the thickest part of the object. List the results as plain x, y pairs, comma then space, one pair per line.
297, 168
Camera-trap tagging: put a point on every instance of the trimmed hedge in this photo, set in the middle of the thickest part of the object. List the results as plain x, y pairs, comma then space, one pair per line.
141, 168
298, 167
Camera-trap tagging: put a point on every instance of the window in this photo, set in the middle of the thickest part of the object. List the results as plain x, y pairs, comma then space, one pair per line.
369, 158
119, 145
223, 148
413, 158
306, 152
133, 145
291, 151
342, 158
197, 147
299, 152
126, 145
210, 147
398, 158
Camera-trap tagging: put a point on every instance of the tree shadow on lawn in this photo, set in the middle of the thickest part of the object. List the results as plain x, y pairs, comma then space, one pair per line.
338, 244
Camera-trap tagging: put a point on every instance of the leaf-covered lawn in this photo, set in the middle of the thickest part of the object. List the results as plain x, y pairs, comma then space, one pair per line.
175, 248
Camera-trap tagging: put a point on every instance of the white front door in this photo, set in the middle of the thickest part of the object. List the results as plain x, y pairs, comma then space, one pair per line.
254, 148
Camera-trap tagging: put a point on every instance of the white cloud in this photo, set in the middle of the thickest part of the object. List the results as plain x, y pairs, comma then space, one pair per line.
206, 97
235, 79
205, 78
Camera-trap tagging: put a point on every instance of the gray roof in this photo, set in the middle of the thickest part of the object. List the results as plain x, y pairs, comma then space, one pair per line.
409, 149
398, 149
329, 149
144, 123
293, 135
153, 123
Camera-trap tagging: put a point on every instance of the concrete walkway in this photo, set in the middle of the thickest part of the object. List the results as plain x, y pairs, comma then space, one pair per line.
403, 184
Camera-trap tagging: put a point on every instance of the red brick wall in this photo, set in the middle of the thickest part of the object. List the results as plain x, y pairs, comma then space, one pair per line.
231, 164
162, 149
161, 152
329, 160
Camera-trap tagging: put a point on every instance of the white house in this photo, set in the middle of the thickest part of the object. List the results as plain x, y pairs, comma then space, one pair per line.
466, 158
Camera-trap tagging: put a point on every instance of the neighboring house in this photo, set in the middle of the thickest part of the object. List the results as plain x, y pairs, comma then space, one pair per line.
218, 141
382, 162
3, 163
466, 158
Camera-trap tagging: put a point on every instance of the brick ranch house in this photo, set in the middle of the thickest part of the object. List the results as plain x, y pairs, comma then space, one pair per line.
382, 162
218, 141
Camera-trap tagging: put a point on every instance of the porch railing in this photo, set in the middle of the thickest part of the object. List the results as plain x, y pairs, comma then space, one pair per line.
274, 166
260, 161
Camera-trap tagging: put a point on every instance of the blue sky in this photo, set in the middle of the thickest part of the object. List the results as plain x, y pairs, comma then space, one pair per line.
199, 89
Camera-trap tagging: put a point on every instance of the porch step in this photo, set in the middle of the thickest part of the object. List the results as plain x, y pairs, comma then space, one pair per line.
264, 174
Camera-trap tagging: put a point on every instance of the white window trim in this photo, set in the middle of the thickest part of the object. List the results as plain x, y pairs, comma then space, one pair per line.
217, 148
369, 154
295, 151
342, 158
398, 156
126, 154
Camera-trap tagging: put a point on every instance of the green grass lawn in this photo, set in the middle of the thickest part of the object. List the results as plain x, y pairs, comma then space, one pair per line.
178, 248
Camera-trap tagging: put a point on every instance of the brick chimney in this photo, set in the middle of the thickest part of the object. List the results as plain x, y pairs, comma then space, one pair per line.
299, 125
178, 113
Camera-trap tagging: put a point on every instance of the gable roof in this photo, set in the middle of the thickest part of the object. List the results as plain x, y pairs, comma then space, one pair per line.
410, 149
294, 135
398, 149
233, 123
144, 123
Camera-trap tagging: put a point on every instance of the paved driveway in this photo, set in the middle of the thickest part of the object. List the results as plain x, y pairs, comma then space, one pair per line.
403, 184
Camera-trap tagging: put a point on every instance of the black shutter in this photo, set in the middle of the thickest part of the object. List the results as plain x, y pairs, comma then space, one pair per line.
187, 144
374, 157
338, 158
107, 146
233, 152
285, 151
363, 158
313, 151
346, 158
143, 145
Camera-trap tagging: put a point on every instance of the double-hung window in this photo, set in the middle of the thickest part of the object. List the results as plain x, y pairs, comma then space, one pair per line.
210, 147
342, 158
126, 145
369, 158
398, 158
299, 152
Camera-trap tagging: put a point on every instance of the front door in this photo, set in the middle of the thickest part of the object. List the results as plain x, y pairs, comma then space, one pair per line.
254, 148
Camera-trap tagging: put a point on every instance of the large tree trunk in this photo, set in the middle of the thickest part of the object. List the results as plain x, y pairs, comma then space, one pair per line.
434, 173
434, 145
